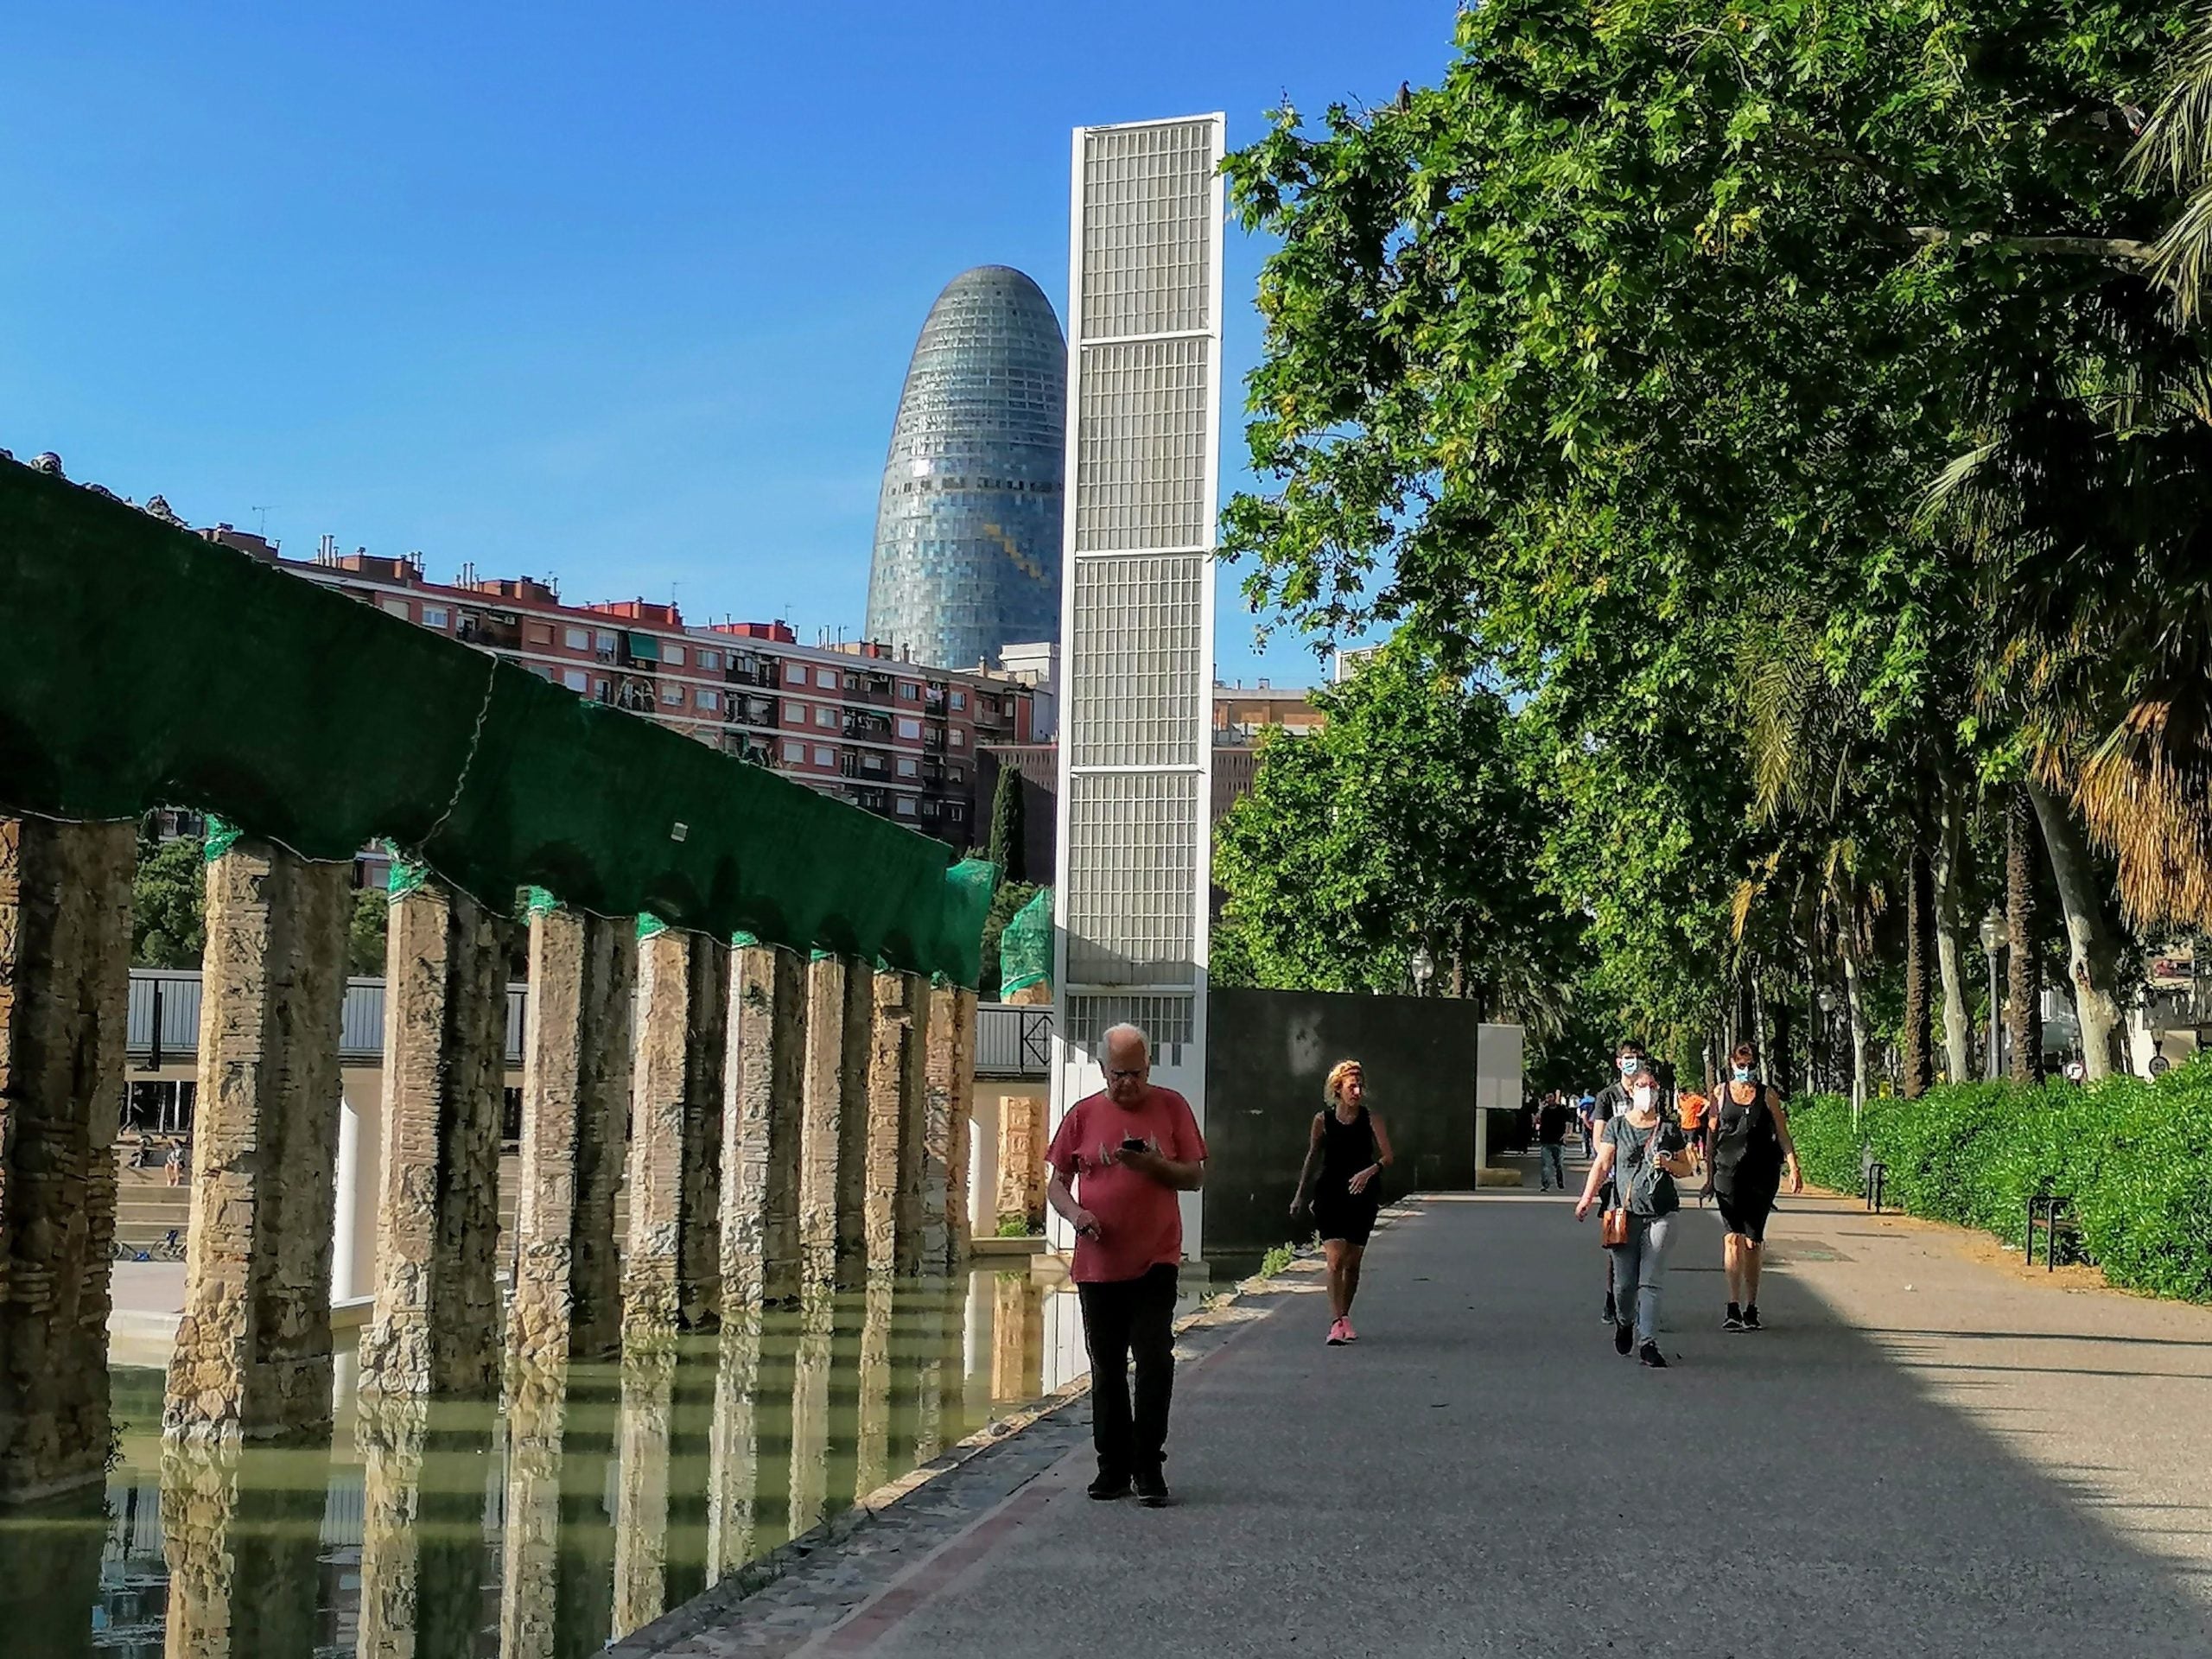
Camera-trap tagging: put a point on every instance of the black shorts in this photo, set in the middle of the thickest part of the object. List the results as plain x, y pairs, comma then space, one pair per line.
1744, 1210
1345, 1216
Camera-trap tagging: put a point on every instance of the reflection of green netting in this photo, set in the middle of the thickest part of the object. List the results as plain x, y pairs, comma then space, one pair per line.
311, 720
1026, 946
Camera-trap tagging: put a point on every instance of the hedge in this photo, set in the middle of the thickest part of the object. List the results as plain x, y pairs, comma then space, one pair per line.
2135, 1157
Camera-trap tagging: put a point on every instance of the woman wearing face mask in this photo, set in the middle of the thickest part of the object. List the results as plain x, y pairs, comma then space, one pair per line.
1750, 1150
1641, 1153
1611, 1101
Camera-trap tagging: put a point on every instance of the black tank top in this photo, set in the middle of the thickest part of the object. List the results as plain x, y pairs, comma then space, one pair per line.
1745, 1148
1346, 1148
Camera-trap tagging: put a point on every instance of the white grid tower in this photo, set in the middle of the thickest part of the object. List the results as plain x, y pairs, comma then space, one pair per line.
1136, 760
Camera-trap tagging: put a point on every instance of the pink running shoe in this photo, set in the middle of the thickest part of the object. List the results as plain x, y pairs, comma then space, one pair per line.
1338, 1334
1344, 1324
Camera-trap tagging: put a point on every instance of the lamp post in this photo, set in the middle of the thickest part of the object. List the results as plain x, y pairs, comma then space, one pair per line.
1424, 969
1827, 1044
1992, 942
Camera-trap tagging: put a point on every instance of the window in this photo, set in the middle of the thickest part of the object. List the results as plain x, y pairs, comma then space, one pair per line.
599, 688
825, 757
672, 655
794, 752
852, 682
605, 640
397, 607
906, 806
909, 692
910, 728
673, 695
433, 616
795, 674
575, 679
960, 774
538, 633
576, 639
825, 716
711, 660
959, 738
541, 671
960, 700
796, 711
709, 699
908, 766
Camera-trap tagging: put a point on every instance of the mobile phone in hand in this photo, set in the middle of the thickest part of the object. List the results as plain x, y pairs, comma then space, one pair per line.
1130, 1143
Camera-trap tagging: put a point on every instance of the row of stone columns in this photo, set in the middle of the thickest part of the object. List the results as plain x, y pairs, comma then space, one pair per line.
794, 1125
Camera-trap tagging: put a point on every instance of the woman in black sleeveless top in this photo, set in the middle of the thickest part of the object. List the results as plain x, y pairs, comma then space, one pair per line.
1353, 1150
1750, 1150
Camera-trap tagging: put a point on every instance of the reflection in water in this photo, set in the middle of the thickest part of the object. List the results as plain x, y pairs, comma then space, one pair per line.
601, 1498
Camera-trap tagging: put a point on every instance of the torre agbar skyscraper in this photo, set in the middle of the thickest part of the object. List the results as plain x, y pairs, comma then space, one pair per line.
968, 527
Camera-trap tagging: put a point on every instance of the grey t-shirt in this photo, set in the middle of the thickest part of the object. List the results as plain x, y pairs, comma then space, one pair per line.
1631, 1148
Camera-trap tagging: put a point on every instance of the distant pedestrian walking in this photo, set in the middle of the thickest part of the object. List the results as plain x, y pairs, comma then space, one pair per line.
1610, 1103
1751, 1149
1640, 1152
1353, 1149
1551, 1144
1129, 1150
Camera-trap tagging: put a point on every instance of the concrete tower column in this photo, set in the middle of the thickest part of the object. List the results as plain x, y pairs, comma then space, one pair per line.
672, 1273
436, 1328
65, 985
950, 1067
761, 1118
252, 1354
575, 1091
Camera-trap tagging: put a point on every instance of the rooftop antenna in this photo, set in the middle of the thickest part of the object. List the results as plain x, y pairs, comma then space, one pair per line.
261, 523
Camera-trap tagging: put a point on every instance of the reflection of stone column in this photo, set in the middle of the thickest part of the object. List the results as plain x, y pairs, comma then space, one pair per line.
896, 1124
1017, 1339
423, 1554
822, 1132
873, 1423
672, 1273
575, 1088
950, 1068
252, 1354
242, 1538
52, 1579
760, 1126
65, 980
1021, 1157
734, 1494
584, 1599
641, 1504
437, 1318
926, 1370
809, 1481
531, 1536
690, 1479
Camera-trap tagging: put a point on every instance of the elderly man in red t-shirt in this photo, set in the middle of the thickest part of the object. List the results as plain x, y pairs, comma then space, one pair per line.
1130, 1151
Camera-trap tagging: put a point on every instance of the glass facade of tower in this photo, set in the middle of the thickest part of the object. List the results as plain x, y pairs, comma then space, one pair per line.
968, 527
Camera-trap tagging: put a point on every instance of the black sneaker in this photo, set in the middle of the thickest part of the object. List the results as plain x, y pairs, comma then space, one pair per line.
1733, 1319
1152, 1490
1649, 1355
1107, 1487
1623, 1338
1751, 1318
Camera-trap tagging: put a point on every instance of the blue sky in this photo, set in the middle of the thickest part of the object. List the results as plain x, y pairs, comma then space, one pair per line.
627, 299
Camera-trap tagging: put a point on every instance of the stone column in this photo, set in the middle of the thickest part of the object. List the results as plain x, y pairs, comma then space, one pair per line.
761, 1117
896, 1088
575, 1092
641, 1502
65, 983
822, 1128
531, 1532
809, 1481
436, 1328
872, 1427
734, 1493
858, 1058
672, 1274
949, 1065
252, 1354
422, 1531
1022, 1143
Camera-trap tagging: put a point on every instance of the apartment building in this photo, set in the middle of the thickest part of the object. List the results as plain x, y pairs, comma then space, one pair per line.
895, 738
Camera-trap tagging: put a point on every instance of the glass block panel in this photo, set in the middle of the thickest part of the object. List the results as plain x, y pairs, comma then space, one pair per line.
1137, 664
1167, 1020
1141, 446
1148, 196
1134, 844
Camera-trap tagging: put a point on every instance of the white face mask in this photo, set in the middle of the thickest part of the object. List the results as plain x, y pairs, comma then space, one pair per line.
1643, 1098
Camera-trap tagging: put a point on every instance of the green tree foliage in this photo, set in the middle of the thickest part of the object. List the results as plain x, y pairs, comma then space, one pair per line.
1009, 847
364, 933
168, 904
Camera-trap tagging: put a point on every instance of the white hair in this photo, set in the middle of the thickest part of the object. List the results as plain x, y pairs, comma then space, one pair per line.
1144, 1042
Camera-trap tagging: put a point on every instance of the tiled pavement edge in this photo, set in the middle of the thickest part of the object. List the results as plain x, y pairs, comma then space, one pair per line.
776, 1604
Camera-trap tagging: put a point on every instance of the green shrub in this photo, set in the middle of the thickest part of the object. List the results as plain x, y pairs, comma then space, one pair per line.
1014, 1224
1276, 1260
2135, 1157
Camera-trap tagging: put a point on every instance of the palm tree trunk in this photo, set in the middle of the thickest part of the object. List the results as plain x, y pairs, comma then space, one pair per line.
1761, 1053
2093, 956
1950, 928
1855, 1016
2024, 995
1919, 961
1781, 1072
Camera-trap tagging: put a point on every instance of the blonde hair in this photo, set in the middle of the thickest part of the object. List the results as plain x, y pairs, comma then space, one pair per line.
1338, 1073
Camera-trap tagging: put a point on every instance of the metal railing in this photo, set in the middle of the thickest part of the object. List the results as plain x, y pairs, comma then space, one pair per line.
1013, 1041
161, 1026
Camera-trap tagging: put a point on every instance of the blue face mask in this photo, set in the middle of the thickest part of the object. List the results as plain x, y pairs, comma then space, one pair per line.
1629, 1064
1743, 1074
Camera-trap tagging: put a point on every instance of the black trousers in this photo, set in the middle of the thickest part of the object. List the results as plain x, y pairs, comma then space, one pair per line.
1125, 1319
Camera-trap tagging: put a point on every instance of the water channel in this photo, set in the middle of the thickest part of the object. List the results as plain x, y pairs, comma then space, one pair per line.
571, 1513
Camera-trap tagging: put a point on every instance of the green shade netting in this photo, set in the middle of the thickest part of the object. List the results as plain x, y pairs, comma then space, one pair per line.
141, 666
1026, 946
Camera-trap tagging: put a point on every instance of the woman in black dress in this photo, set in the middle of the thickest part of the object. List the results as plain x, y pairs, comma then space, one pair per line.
1352, 1150
1751, 1152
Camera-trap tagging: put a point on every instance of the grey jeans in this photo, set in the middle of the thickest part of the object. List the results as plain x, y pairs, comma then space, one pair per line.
1639, 1264
1553, 1167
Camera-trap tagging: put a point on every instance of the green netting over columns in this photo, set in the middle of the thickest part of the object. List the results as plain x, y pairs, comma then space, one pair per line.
141, 666
1025, 945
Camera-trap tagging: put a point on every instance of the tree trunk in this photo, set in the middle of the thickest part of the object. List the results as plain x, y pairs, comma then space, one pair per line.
1950, 928
1855, 1018
2024, 995
2091, 953
1919, 960
1762, 1055
1781, 1074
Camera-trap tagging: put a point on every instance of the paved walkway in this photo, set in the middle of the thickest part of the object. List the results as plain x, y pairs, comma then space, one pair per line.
1930, 1452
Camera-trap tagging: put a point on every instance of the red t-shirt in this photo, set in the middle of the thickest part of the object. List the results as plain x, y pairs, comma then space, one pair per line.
1140, 1221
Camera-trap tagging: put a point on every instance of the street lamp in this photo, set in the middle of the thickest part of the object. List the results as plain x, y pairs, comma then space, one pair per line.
1992, 942
1424, 966
1824, 1034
